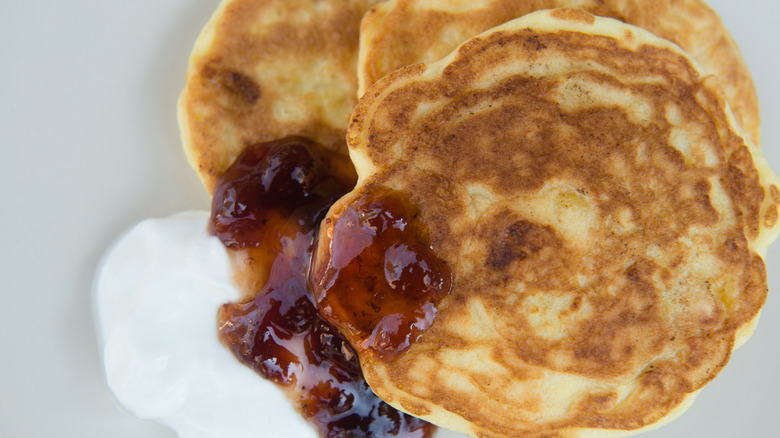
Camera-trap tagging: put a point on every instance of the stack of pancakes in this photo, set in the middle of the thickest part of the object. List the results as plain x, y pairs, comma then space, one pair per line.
589, 171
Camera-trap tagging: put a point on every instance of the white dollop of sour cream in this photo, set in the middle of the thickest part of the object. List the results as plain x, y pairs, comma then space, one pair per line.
157, 295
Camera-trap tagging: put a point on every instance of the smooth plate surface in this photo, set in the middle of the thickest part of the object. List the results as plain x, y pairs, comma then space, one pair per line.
88, 126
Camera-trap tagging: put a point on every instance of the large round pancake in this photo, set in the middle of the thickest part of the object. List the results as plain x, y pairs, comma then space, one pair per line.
601, 213
403, 32
262, 70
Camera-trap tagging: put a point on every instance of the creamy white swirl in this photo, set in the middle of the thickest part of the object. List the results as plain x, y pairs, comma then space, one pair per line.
157, 296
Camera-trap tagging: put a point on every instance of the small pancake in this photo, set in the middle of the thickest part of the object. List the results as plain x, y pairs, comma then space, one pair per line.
403, 32
603, 218
262, 70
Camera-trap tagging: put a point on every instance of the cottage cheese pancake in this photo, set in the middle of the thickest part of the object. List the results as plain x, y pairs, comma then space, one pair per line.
265, 69
603, 219
403, 32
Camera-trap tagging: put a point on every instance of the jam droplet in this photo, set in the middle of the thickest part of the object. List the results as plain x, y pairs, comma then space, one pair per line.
287, 186
375, 276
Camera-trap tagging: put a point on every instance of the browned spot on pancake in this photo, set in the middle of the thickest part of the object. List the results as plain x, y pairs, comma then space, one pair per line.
518, 241
770, 218
414, 408
734, 250
238, 85
774, 192
534, 43
605, 401
742, 178
576, 15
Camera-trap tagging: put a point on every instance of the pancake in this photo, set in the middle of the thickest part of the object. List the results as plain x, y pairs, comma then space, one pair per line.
262, 70
602, 216
403, 32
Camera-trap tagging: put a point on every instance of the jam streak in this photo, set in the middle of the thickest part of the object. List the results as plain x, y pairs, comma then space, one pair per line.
267, 207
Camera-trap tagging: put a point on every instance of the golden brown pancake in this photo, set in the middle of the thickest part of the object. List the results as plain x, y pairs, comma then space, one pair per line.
265, 69
603, 218
403, 32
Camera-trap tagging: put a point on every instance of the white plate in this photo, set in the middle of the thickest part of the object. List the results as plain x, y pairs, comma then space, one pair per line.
90, 146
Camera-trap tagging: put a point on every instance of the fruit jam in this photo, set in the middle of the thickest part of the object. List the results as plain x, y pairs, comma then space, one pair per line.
266, 209
375, 277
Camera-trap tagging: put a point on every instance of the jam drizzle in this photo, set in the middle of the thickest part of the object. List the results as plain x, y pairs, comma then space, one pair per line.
266, 208
374, 276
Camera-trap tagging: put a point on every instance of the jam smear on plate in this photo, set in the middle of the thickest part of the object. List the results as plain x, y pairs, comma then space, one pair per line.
266, 209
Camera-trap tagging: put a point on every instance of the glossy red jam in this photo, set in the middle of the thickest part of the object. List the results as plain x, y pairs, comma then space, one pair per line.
267, 207
274, 188
376, 277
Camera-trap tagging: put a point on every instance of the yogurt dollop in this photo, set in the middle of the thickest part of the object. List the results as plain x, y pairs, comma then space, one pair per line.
157, 295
